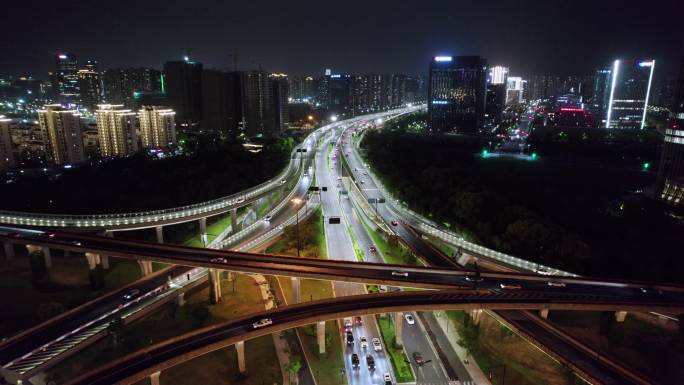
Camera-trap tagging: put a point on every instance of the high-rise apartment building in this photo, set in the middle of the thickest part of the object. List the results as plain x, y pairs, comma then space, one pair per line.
280, 96
157, 126
64, 80
116, 130
184, 91
6, 152
496, 95
545, 86
626, 91
61, 130
222, 102
90, 85
670, 185
257, 103
302, 89
457, 94
126, 85
515, 89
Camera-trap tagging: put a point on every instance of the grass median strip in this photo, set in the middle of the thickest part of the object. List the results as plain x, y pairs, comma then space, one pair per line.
400, 363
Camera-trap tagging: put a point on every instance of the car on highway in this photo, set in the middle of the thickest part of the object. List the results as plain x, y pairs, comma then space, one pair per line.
556, 284
543, 271
372, 249
387, 378
267, 218
347, 325
76, 243
262, 322
219, 260
370, 361
131, 294
359, 320
377, 346
283, 181
418, 358
350, 338
409, 319
510, 286
355, 360
399, 273
473, 278
364, 342
394, 223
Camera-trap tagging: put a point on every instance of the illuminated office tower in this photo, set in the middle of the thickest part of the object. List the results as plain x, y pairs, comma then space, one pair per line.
515, 88
6, 154
496, 95
157, 126
628, 93
65, 83
116, 130
61, 129
456, 94
670, 185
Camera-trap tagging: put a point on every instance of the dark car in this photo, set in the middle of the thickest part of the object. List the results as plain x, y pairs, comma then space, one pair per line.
131, 294
418, 358
350, 338
355, 361
370, 361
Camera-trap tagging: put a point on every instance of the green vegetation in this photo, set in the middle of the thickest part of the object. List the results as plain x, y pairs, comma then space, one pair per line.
390, 249
400, 363
574, 208
492, 345
326, 367
311, 234
239, 297
141, 183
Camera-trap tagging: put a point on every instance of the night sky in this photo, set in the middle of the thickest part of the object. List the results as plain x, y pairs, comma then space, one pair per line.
302, 37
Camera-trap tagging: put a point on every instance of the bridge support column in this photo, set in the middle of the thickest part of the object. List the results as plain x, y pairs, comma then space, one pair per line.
240, 348
180, 300
160, 234
620, 316
320, 334
215, 282
154, 378
476, 314
398, 324
93, 260
145, 267
203, 227
255, 208
9, 250
296, 290
44, 251
464, 259
544, 313
233, 221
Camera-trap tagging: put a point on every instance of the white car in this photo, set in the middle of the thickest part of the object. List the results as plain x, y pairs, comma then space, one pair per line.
377, 346
409, 319
556, 284
387, 378
267, 218
219, 260
364, 342
398, 273
262, 322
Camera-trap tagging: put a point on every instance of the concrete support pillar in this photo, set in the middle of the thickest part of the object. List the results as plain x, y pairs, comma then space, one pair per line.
320, 333
620, 316
9, 250
104, 260
215, 279
233, 221
476, 314
180, 300
255, 208
230, 276
93, 260
544, 313
160, 234
145, 267
464, 259
296, 290
203, 226
47, 257
398, 325
154, 378
240, 348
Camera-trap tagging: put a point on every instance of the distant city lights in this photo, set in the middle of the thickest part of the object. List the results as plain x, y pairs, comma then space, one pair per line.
443, 58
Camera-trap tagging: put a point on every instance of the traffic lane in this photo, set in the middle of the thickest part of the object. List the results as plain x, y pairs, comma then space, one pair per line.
415, 341
363, 374
12, 349
448, 355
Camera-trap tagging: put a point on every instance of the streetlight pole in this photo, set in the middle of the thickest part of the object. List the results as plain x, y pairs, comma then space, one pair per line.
296, 202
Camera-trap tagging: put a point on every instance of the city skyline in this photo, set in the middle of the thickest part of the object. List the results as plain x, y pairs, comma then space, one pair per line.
315, 39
